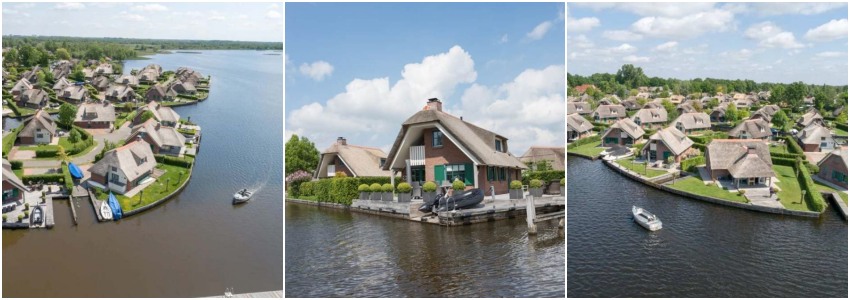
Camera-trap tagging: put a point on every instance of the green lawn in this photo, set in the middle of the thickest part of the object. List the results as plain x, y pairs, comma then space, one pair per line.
39, 147
587, 149
639, 168
695, 185
778, 149
840, 132
123, 118
63, 141
791, 195
153, 192
20, 174
827, 188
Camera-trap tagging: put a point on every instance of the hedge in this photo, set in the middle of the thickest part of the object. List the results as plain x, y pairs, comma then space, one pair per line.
691, 164
9, 140
336, 190
793, 147
585, 141
786, 155
813, 196
13, 107
46, 152
66, 174
545, 176
59, 178
16, 164
841, 126
699, 146
174, 161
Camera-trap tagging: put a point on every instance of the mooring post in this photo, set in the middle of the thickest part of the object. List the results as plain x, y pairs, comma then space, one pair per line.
530, 214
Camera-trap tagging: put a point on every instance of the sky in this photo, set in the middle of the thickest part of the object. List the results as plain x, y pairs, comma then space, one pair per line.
765, 42
262, 22
359, 70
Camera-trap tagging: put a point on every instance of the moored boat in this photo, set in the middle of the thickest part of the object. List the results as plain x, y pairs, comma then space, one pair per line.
646, 219
462, 200
105, 211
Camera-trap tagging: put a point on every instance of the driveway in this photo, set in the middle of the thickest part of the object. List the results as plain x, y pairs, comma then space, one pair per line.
119, 135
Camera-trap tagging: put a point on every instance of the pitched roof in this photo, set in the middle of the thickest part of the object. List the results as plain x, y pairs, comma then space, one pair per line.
813, 134
76, 92
10, 177
34, 96
628, 126
128, 80
755, 129
61, 84
361, 160
41, 119
22, 85
675, 140
161, 113
609, 111
577, 123
133, 159
809, 117
480, 142
839, 152
578, 107
653, 104
555, 155
690, 121
95, 112
161, 135
742, 158
118, 90
650, 115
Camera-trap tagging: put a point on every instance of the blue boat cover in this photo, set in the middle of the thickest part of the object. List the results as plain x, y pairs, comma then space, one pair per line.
116, 208
75, 171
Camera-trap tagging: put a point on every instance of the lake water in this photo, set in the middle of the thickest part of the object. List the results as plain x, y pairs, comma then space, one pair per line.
196, 244
337, 253
704, 250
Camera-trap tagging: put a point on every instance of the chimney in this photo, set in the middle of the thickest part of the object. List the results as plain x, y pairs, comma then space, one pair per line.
434, 104
341, 141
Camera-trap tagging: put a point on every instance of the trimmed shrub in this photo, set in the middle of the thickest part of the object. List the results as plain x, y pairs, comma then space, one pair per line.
793, 147
174, 161
458, 185
57, 178
387, 188
16, 164
786, 155
429, 186
66, 174
294, 181
699, 146
46, 152
404, 187
691, 164
545, 176
516, 184
841, 126
306, 188
363, 188
535, 183
375, 187
563, 181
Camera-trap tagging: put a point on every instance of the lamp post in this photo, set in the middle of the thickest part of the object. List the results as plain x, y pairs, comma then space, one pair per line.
802, 196
140, 197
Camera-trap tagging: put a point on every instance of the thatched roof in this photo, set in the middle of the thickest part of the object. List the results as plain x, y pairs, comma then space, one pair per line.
742, 158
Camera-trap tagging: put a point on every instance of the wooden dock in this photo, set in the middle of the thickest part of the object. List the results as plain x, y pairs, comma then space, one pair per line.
531, 216
842, 208
269, 294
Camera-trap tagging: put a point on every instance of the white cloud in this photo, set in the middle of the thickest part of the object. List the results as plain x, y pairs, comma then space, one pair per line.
353, 112
70, 6
579, 41
667, 47
771, 36
150, 7
131, 17
621, 35
624, 48
504, 39
831, 54
273, 14
635, 59
832, 30
317, 70
583, 24
769, 9
740, 55
652, 9
688, 26
539, 31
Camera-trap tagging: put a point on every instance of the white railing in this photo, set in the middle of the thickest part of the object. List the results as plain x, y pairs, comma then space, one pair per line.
331, 170
417, 156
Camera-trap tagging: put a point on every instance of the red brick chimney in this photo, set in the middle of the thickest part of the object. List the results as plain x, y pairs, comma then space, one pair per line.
341, 141
434, 104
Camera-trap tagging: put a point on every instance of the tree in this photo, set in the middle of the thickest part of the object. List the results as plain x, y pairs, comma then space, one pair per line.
63, 53
794, 94
631, 76
820, 100
301, 154
46, 76
780, 120
147, 115
732, 113
664, 94
74, 136
67, 113
777, 94
78, 74
713, 103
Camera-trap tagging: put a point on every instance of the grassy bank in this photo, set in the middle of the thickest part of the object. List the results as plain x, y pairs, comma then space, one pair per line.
640, 168
695, 185
153, 192
791, 195
588, 149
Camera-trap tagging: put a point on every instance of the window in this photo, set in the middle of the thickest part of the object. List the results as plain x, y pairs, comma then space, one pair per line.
437, 139
499, 145
502, 174
114, 169
455, 172
383, 161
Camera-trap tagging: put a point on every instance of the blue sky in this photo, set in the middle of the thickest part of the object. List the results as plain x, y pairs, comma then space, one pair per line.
359, 70
197, 21
765, 42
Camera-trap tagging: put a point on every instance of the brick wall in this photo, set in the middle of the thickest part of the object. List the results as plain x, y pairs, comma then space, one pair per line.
340, 167
448, 153
834, 163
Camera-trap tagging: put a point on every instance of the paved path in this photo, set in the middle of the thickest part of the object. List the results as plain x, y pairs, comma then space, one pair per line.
79, 160
762, 197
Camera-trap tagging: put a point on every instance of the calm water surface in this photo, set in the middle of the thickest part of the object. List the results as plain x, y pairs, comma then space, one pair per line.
336, 253
704, 250
196, 244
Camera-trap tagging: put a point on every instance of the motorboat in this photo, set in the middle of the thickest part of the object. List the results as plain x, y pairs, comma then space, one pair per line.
37, 215
646, 219
105, 211
462, 200
242, 196
428, 206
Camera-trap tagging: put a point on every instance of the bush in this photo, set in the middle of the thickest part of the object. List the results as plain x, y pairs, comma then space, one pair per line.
174, 161
339, 174
429, 186
387, 188
792, 145
458, 185
699, 146
295, 180
786, 155
306, 188
57, 178
563, 181
516, 184
363, 188
690, 164
375, 187
66, 174
535, 183
404, 187
545, 176
16, 164
584, 141
46, 152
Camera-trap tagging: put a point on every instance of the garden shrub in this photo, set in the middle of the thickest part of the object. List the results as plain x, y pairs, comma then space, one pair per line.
429, 186
46, 152
535, 183
690, 164
306, 188
363, 188
66, 174
563, 181
294, 181
55, 177
545, 176
516, 184
458, 185
404, 187
792, 145
375, 187
387, 188
174, 161
16, 164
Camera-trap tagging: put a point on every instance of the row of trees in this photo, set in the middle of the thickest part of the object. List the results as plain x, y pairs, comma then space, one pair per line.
628, 78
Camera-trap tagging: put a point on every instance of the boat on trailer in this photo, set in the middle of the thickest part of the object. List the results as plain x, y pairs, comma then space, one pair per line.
646, 219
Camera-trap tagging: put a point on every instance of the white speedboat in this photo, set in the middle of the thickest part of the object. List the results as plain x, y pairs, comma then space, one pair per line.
242, 196
105, 211
646, 219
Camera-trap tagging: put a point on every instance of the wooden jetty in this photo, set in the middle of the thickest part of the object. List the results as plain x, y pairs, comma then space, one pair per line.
532, 217
269, 294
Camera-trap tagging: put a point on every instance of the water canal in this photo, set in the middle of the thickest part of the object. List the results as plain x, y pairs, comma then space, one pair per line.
337, 253
196, 244
704, 250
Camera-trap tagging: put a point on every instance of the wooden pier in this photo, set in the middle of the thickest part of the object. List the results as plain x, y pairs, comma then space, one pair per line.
531, 216
269, 294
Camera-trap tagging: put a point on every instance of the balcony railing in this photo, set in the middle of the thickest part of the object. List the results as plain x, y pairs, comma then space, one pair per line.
417, 156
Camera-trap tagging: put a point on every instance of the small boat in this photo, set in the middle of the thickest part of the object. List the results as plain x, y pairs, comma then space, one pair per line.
105, 211
242, 196
465, 199
646, 219
428, 206
36, 215
115, 207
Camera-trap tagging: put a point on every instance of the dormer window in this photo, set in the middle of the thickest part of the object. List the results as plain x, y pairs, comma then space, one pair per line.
499, 145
